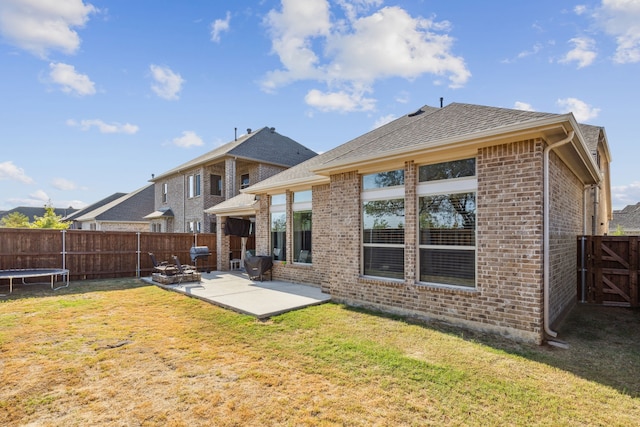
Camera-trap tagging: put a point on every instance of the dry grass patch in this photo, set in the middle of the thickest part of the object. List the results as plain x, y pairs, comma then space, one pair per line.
122, 353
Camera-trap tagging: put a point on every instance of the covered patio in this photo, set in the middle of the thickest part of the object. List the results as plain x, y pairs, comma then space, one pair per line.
235, 291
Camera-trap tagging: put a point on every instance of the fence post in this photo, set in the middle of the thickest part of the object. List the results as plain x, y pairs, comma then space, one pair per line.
633, 271
138, 266
583, 269
64, 250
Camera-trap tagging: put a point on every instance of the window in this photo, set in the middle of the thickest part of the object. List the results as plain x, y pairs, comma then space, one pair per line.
302, 226
244, 180
194, 185
447, 223
216, 185
165, 192
383, 224
194, 227
279, 227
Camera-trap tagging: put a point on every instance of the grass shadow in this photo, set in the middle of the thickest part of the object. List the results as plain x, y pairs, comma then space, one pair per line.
42, 289
603, 344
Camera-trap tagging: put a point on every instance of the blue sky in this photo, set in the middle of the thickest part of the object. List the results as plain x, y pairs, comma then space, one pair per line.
97, 96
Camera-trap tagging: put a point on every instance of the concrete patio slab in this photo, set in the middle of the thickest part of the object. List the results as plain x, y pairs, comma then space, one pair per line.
235, 291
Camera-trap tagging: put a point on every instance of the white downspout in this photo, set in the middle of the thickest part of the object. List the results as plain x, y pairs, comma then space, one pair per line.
547, 150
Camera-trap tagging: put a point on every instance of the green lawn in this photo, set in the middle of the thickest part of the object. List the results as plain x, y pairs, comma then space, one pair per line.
120, 352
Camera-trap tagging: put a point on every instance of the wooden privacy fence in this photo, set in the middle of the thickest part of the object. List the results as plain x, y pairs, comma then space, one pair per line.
99, 254
608, 270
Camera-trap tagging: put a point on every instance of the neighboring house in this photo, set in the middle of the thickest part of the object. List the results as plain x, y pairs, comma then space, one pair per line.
78, 212
118, 212
626, 220
32, 213
467, 214
183, 193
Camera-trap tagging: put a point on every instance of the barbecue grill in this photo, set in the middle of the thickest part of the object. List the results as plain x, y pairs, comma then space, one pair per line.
199, 252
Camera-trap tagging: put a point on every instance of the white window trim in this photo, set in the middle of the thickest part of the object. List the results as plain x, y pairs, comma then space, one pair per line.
446, 186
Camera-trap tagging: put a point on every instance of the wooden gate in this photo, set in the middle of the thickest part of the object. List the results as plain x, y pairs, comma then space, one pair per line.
608, 270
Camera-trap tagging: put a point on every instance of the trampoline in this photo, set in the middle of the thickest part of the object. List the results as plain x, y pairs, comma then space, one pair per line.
35, 272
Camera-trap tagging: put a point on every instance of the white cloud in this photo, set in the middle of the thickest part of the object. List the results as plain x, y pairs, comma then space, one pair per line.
63, 184
167, 83
339, 101
583, 52
350, 55
523, 106
623, 195
188, 139
403, 97
384, 120
103, 127
582, 111
40, 195
218, 26
580, 9
71, 81
10, 171
41, 26
621, 19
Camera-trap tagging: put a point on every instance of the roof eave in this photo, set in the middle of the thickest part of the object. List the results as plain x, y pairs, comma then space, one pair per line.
234, 210
282, 186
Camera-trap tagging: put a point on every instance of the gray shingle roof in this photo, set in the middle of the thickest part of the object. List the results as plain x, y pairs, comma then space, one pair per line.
425, 127
591, 136
93, 206
264, 145
628, 219
131, 207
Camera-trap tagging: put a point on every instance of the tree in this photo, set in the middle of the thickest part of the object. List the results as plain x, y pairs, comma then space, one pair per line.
50, 220
15, 220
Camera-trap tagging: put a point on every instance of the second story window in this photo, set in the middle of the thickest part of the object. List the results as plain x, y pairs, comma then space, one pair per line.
165, 191
244, 180
194, 185
216, 185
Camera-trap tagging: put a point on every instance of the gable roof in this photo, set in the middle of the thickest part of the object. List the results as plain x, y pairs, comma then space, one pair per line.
420, 134
93, 206
264, 145
628, 219
131, 207
31, 212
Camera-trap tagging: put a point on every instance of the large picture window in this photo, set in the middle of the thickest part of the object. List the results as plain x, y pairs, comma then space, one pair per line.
447, 223
383, 224
302, 226
279, 227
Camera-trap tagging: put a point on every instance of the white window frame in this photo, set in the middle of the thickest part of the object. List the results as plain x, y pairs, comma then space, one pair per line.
278, 208
306, 206
377, 194
440, 187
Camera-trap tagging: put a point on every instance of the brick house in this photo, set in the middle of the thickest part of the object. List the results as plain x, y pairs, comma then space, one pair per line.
466, 214
183, 193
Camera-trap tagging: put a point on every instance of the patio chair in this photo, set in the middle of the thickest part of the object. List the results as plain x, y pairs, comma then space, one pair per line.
186, 271
162, 267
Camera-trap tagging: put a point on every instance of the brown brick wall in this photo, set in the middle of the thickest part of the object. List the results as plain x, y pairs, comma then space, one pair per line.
565, 223
508, 298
